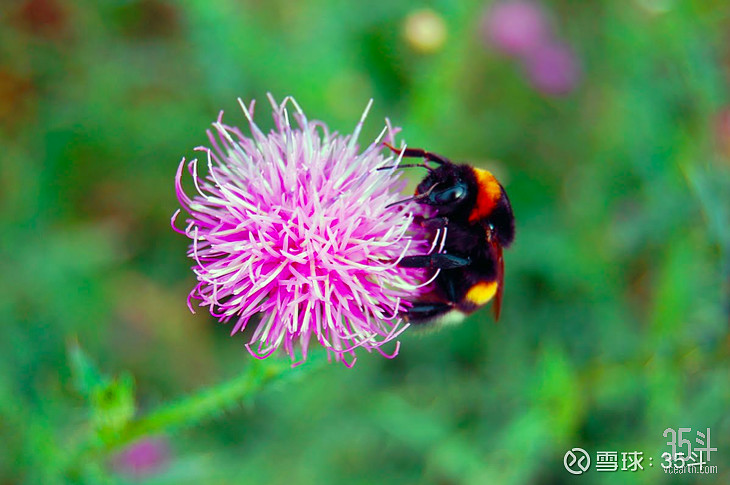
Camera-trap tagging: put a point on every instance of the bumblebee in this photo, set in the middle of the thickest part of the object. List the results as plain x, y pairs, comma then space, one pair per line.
472, 208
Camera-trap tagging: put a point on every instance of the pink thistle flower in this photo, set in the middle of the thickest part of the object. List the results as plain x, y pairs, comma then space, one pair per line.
295, 225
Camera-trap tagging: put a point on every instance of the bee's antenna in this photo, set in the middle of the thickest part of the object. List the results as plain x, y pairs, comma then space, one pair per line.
405, 153
415, 197
418, 153
421, 165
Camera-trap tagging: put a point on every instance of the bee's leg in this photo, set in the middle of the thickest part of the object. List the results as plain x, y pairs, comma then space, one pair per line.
419, 153
422, 312
435, 261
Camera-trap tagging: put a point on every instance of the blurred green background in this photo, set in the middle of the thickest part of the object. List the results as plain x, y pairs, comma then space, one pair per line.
615, 318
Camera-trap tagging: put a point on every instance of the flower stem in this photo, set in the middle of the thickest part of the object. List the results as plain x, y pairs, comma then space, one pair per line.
193, 409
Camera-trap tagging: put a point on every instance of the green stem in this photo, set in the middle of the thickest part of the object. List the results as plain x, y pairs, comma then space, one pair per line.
193, 409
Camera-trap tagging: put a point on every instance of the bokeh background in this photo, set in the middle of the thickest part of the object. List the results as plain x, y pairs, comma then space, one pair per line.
608, 122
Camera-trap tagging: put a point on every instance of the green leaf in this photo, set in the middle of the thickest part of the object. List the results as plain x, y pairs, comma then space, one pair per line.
111, 399
113, 404
86, 376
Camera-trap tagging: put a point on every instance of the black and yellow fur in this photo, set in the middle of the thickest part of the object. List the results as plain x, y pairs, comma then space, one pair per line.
476, 212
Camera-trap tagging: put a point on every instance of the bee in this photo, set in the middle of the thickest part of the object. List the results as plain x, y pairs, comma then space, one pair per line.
473, 210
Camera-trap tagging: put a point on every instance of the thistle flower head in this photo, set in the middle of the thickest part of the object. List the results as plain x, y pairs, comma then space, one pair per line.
293, 230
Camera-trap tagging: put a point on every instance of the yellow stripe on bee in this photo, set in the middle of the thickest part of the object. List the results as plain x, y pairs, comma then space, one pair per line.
481, 293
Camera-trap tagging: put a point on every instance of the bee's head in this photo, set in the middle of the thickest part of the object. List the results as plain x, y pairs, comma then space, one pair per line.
449, 188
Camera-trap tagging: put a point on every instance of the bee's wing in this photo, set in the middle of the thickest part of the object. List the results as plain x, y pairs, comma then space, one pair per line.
497, 305
496, 251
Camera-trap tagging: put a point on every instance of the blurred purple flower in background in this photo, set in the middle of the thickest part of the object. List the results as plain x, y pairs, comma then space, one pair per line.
515, 27
521, 29
721, 124
295, 225
552, 69
143, 457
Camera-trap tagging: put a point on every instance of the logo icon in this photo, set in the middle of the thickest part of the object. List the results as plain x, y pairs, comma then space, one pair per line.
577, 461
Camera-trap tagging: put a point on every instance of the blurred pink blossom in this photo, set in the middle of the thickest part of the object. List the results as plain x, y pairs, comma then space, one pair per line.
553, 69
143, 457
515, 27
